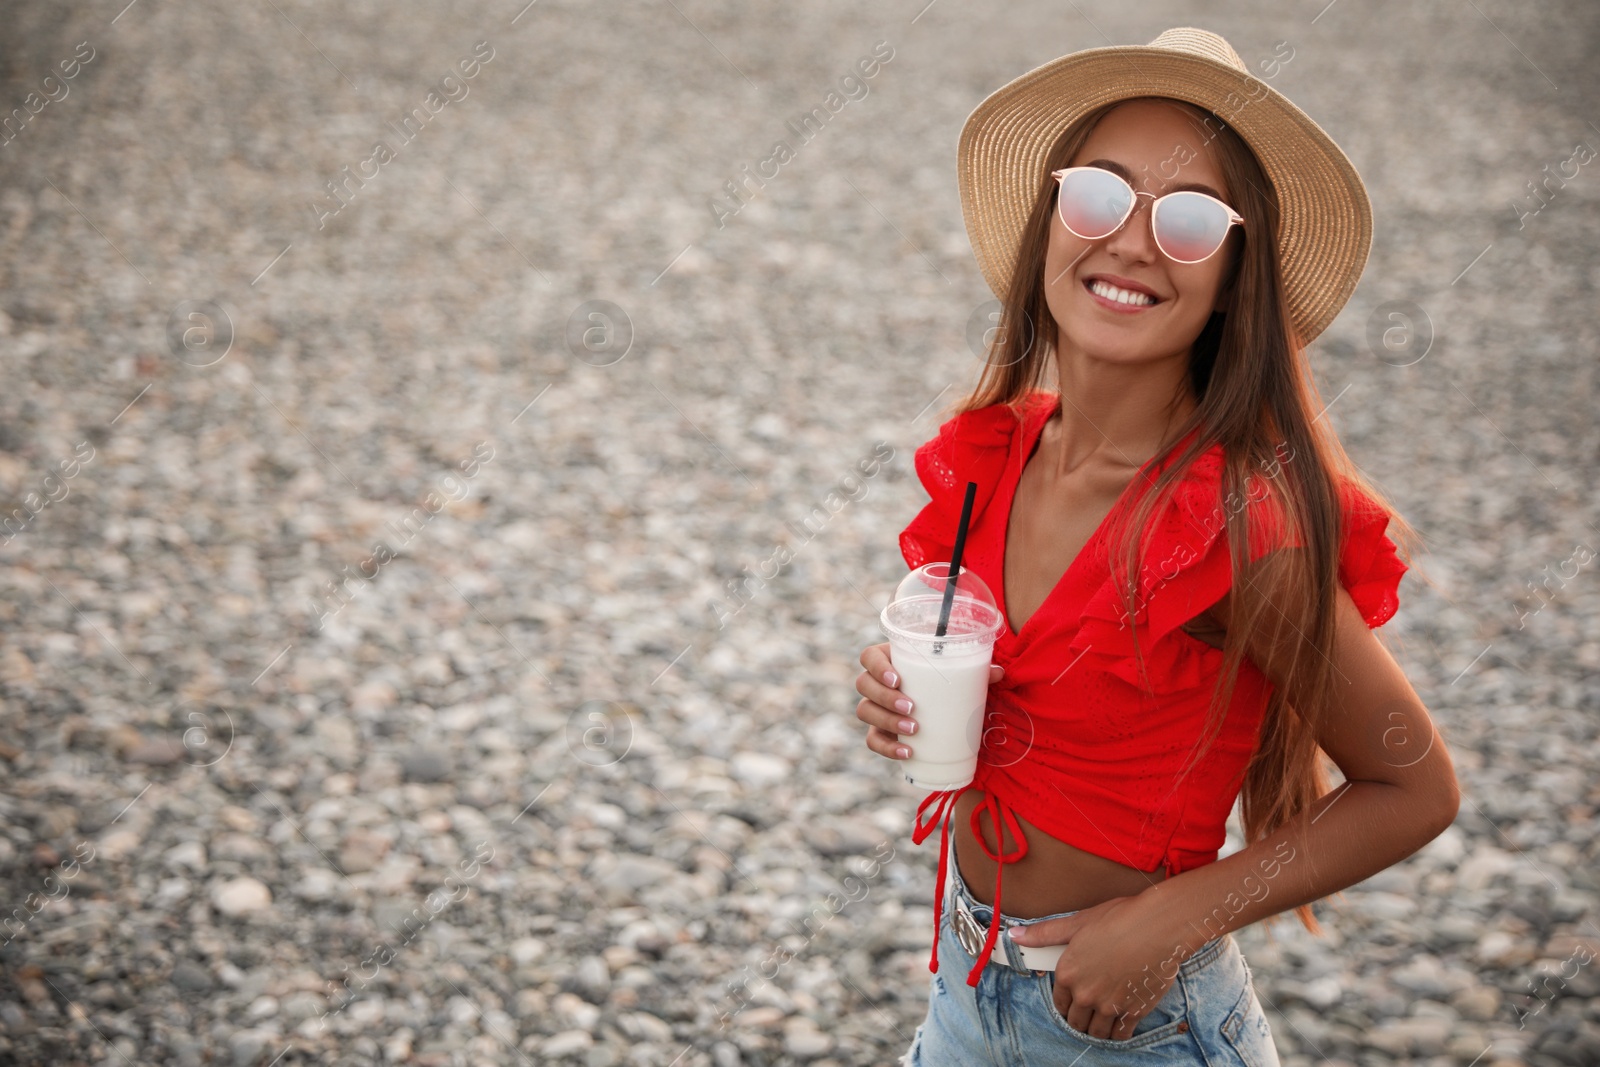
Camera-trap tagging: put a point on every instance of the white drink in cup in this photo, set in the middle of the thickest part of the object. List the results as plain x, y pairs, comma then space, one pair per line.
946, 678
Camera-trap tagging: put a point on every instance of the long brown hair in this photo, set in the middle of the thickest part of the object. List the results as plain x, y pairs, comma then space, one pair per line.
1255, 394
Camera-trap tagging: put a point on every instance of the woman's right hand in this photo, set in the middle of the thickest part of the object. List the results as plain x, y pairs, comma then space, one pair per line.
887, 711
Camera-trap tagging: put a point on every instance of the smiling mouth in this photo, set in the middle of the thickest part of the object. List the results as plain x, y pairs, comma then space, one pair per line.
1119, 299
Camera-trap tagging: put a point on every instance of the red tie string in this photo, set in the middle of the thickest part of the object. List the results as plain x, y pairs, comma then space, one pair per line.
997, 812
943, 803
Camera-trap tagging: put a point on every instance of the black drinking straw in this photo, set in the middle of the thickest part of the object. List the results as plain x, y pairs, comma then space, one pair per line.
955, 563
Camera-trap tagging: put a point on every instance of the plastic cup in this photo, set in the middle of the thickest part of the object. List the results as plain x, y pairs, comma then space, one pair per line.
946, 678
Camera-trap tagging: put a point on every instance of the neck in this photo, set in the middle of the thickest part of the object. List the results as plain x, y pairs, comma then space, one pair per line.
1117, 416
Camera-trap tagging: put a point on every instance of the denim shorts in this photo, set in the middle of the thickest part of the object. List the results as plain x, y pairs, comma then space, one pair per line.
1209, 1016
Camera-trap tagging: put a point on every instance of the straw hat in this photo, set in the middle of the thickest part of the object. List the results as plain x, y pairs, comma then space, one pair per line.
1326, 225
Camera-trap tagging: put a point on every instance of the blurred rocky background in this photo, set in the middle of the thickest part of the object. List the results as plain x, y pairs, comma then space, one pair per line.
392, 664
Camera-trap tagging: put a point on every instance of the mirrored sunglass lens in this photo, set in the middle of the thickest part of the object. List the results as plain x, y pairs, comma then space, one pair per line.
1190, 226
1093, 202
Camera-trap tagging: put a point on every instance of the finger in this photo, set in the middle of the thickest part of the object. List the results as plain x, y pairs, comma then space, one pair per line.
889, 720
995, 672
1095, 1024
887, 696
1088, 1021
1045, 932
887, 744
875, 658
880, 683
1116, 1026
878, 664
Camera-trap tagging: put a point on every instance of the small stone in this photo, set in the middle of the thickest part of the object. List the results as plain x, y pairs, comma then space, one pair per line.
361, 851
1424, 977
566, 1044
373, 695
759, 1018
802, 1039
248, 1045
426, 765
526, 950
397, 1049
318, 883
575, 1012
186, 1050
531, 1004
171, 891
190, 855
240, 896
593, 977
643, 1026
632, 872
245, 848
302, 1005
1477, 1002
191, 977
1501, 948
1452, 930
642, 935
1322, 993
118, 844
1418, 1036
760, 769
237, 818
156, 751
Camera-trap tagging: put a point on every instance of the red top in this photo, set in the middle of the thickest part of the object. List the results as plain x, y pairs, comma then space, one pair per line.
1075, 740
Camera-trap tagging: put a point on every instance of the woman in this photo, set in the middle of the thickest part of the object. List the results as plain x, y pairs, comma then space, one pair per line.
1166, 233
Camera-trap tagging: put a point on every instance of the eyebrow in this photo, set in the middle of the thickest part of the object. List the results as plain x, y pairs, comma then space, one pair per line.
1126, 175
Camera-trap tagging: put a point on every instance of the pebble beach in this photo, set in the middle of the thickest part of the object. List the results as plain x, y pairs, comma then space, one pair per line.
455, 455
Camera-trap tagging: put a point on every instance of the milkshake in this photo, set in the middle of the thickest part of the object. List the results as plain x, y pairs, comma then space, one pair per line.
945, 676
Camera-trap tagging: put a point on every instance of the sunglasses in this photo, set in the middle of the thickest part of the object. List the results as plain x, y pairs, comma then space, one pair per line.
1188, 226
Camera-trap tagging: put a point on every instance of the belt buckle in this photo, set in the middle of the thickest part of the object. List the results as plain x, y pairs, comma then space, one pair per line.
968, 933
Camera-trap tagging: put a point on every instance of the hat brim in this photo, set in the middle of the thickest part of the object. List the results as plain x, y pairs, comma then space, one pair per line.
1325, 231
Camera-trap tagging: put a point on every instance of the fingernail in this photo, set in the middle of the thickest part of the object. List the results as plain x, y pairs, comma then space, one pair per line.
907, 726
903, 705
891, 679
902, 751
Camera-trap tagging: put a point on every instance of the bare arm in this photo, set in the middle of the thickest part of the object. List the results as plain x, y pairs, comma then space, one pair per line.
1400, 793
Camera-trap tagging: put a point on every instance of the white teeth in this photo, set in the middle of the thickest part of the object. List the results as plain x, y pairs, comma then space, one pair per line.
1121, 296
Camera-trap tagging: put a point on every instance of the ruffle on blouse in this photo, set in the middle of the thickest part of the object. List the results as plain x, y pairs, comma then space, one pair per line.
972, 446
1186, 569
1369, 566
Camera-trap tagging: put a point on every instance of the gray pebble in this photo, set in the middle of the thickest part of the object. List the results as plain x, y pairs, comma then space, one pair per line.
191, 977
426, 765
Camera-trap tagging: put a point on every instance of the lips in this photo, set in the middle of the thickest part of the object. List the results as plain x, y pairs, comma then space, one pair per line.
1120, 294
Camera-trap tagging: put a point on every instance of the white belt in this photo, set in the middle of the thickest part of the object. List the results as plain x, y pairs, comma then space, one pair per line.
972, 934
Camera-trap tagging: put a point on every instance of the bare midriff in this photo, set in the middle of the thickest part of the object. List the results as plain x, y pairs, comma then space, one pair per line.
1053, 877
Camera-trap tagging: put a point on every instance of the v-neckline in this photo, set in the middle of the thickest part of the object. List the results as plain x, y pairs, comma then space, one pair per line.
1031, 433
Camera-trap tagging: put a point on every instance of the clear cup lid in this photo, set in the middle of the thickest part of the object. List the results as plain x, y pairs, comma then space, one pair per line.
919, 601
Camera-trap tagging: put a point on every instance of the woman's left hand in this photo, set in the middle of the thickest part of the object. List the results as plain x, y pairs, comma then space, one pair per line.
1119, 958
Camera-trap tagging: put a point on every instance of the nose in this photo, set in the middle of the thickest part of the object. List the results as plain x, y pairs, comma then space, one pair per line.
1134, 240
